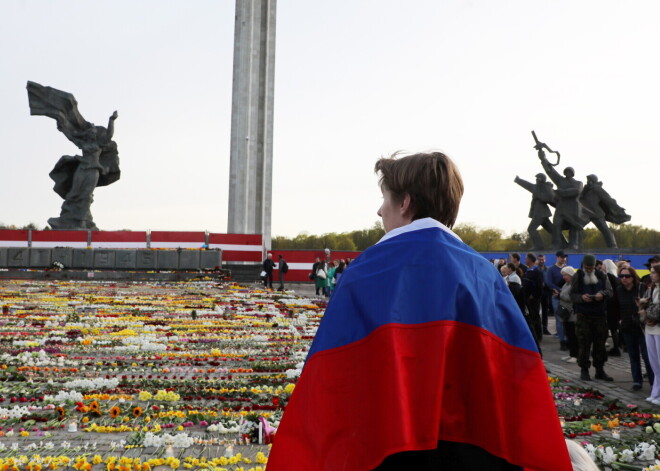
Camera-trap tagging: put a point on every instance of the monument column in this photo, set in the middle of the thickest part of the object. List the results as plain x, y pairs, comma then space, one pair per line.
251, 151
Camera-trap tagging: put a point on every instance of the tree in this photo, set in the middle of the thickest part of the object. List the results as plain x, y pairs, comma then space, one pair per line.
469, 233
636, 238
487, 239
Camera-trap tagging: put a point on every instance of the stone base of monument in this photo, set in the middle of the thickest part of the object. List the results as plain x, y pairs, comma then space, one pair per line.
109, 264
116, 275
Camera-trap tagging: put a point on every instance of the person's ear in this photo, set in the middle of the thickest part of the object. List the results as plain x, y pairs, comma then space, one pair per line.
406, 206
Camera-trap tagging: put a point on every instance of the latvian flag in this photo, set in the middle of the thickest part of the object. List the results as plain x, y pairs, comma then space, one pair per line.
422, 345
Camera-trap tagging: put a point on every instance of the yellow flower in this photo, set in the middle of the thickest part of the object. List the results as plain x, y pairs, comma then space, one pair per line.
289, 388
144, 395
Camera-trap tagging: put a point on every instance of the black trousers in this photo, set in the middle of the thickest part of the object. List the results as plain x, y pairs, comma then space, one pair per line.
546, 308
268, 280
571, 339
534, 311
448, 456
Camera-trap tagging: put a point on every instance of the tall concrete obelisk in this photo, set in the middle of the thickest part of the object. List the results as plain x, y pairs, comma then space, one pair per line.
251, 152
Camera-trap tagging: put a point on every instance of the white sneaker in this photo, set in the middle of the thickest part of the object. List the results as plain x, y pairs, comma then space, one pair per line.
572, 360
649, 399
566, 358
656, 402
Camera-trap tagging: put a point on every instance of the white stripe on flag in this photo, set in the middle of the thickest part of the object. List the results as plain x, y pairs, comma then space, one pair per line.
13, 243
58, 243
300, 266
120, 245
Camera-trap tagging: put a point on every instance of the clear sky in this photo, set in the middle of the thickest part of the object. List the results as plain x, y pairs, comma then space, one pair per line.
354, 80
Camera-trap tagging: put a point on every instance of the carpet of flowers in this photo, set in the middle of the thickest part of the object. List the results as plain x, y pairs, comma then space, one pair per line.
147, 376
141, 376
616, 435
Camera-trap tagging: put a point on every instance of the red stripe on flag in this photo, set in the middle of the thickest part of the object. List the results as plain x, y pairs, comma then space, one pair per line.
119, 236
297, 275
59, 236
235, 239
169, 236
406, 387
14, 235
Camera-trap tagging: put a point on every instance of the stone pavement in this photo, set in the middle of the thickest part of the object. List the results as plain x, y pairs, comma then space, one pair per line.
617, 367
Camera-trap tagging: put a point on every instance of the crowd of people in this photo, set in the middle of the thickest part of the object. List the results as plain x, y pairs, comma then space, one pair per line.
591, 303
326, 274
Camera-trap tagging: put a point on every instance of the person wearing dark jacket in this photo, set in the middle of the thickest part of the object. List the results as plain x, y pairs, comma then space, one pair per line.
282, 268
631, 326
268, 266
613, 320
532, 283
590, 289
555, 280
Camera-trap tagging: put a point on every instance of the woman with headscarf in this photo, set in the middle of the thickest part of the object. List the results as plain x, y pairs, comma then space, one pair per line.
567, 314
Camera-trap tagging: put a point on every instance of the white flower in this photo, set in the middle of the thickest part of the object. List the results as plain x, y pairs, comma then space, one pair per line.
92, 384
64, 396
608, 455
591, 450
291, 374
627, 456
645, 451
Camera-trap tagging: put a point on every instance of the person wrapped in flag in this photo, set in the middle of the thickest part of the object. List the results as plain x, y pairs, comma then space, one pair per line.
423, 360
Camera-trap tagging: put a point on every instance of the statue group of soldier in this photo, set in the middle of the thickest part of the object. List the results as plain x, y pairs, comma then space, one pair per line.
575, 205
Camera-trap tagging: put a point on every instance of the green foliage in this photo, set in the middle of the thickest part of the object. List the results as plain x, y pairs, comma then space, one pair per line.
351, 241
31, 226
636, 238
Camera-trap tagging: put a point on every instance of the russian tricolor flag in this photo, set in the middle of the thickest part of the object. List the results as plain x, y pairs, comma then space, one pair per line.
422, 342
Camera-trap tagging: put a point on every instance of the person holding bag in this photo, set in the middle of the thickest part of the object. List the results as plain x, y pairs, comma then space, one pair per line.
321, 279
650, 314
631, 325
567, 314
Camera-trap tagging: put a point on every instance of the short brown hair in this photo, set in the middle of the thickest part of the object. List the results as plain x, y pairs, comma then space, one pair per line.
431, 179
